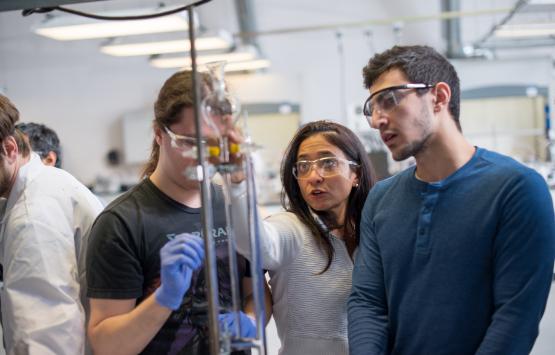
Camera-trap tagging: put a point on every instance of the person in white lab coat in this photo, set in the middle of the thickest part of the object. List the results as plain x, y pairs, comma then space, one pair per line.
44, 217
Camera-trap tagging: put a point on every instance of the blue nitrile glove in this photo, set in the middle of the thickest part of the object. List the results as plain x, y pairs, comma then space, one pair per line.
178, 258
248, 324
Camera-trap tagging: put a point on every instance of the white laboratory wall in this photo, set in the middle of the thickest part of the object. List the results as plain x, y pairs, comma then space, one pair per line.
509, 125
265, 87
85, 113
136, 133
525, 71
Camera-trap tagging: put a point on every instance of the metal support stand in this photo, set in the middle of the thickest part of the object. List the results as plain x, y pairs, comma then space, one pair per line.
210, 272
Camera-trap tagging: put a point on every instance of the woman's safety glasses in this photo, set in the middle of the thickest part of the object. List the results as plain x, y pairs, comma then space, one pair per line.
325, 167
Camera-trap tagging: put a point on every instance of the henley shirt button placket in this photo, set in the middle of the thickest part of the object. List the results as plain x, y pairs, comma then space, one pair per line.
423, 239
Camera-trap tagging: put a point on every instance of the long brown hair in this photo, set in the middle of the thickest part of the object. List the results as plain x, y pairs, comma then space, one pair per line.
291, 197
175, 95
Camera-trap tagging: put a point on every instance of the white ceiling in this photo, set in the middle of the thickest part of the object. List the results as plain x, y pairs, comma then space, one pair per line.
20, 48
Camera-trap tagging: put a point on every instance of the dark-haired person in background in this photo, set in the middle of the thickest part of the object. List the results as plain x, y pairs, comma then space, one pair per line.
456, 253
45, 217
309, 249
44, 141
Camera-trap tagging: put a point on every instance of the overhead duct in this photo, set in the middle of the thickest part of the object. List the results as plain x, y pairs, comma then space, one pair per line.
247, 22
451, 30
482, 43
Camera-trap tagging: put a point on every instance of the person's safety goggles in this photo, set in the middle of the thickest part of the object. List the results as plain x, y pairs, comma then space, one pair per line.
387, 99
325, 167
181, 142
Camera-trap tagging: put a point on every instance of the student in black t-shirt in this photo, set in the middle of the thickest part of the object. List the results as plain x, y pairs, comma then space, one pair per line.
145, 284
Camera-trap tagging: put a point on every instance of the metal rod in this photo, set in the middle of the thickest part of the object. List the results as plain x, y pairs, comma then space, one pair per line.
256, 260
231, 246
210, 265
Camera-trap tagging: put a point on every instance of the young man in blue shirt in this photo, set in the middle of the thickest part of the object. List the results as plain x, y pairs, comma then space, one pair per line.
456, 253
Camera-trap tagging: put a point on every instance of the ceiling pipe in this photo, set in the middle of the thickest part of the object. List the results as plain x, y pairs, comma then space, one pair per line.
247, 23
451, 30
520, 4
522, 43
376, 22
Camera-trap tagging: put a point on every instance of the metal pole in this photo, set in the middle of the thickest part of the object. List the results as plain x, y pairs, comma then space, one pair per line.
451, 30
256, 261
231, 244
210, 265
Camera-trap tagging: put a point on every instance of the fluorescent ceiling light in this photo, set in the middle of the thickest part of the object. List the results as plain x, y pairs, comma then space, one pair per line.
526, 30
248, 65
541, 2
182, 62
230, 67
221, 41
68, 28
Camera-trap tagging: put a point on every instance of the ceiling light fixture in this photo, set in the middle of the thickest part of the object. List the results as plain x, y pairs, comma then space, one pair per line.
247, 65
242, 55
69, 28
219, 41
541, 2
526, 30
243, 59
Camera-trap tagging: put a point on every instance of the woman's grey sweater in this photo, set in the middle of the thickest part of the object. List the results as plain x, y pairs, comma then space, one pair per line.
309, 308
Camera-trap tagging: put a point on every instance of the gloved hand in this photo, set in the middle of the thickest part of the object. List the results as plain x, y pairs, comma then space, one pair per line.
248, 324
178, 259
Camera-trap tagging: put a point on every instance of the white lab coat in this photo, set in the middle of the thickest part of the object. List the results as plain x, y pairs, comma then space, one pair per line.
43, 225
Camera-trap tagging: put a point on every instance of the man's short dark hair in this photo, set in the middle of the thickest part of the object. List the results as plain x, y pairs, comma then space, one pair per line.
420, 64
43, 140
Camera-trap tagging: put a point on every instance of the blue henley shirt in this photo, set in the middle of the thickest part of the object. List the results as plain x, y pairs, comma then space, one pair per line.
461, 266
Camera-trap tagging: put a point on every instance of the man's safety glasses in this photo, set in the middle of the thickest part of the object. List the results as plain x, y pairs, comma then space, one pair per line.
325, 167
386, 99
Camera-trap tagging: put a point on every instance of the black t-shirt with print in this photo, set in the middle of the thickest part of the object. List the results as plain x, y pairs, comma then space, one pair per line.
123, 261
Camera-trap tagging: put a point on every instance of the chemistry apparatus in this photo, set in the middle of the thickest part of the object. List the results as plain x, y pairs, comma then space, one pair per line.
220, 111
